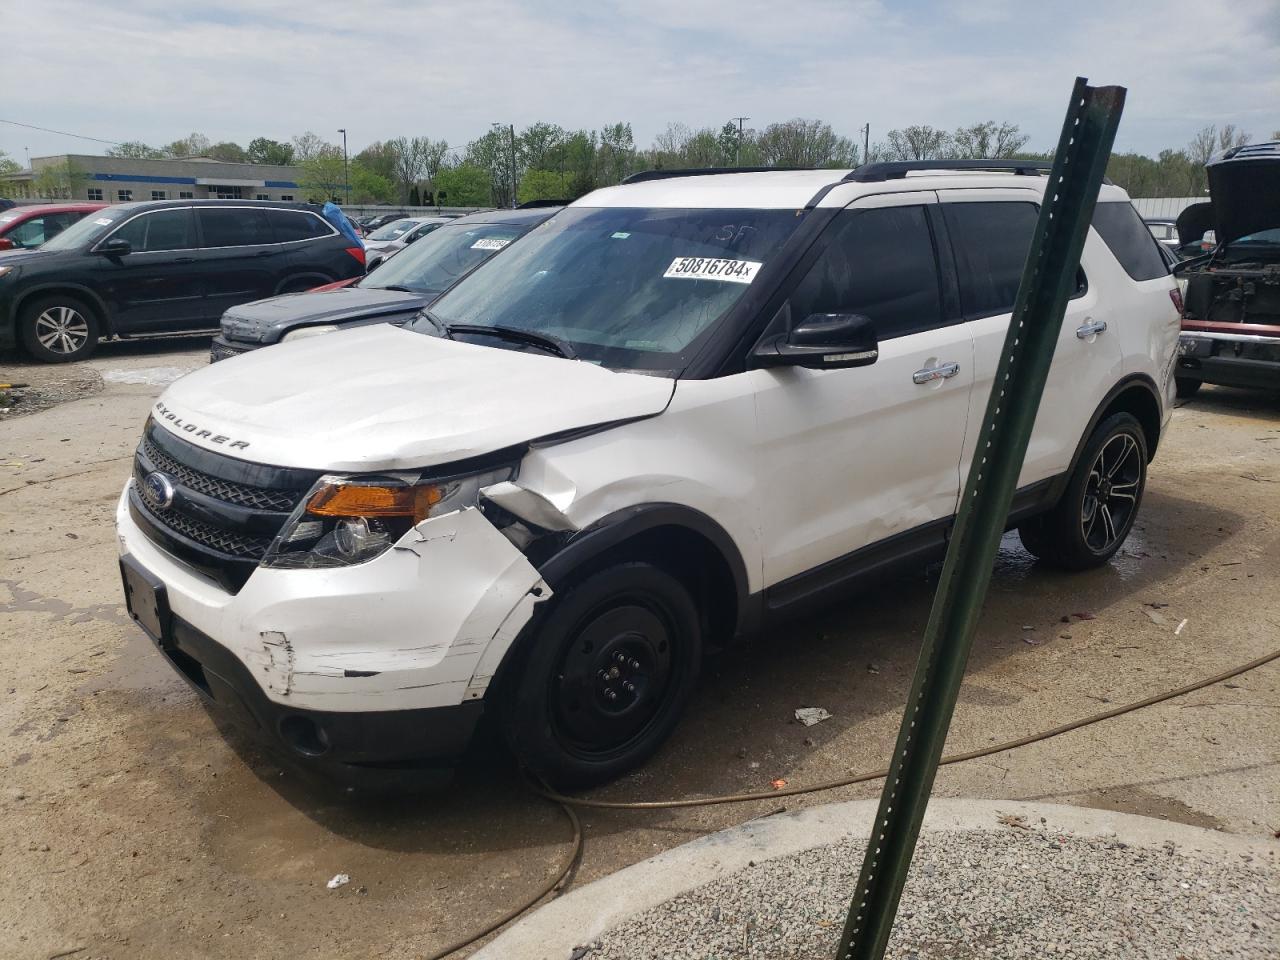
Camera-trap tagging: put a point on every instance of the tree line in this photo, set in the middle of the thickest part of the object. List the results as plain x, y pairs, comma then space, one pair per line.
545, 161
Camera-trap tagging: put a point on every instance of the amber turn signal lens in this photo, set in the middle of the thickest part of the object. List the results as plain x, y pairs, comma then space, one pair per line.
365, 500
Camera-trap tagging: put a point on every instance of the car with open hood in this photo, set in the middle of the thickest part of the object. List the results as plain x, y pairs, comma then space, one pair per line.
1231, 319
682, 408
391, 294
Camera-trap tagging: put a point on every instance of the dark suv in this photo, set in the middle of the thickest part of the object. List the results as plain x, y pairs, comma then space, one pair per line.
137, 268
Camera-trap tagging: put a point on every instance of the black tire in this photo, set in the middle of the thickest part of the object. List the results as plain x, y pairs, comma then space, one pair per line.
568, 713
300, 285
58, 328
1187, 387
1097, 510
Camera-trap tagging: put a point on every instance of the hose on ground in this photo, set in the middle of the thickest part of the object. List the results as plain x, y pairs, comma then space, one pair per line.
567, 804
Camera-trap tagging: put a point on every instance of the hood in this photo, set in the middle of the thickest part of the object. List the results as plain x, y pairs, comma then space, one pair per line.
1245, 190
266, 321
383, 398
1194, 222
18, 258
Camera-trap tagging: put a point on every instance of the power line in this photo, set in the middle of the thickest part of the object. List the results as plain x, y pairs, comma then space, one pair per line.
61, 133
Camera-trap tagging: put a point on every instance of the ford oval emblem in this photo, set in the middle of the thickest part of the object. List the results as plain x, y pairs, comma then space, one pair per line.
159, 490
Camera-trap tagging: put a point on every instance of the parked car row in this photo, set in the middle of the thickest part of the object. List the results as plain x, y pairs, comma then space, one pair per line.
601, 440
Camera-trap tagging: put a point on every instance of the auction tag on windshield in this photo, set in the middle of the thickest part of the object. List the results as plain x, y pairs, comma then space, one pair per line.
104, 222
704, 268
489, 243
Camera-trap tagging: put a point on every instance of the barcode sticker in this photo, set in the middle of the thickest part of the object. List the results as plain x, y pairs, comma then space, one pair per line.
706, 268
491, 243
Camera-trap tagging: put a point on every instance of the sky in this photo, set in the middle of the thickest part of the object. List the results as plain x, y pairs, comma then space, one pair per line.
156, 70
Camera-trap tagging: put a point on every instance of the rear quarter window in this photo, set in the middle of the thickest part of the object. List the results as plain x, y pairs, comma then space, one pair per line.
1129, 240
290, 225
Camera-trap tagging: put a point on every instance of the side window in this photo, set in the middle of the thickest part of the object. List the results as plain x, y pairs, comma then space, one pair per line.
290, 225
879, 263
162, 230
990, 242
1129, 240
234, 227
28, 234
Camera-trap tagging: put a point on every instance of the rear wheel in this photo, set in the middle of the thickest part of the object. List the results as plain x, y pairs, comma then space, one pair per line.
58, 329
606, 677
1101, 501
1187, 387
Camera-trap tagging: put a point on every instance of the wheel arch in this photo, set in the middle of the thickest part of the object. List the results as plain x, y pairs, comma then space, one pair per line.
315, 278
79, 291
681, 540
1136, 394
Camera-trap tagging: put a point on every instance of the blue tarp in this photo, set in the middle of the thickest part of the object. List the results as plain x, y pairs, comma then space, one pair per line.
333, 213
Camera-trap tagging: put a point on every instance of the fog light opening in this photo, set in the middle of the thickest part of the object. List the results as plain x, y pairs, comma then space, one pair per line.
304, 735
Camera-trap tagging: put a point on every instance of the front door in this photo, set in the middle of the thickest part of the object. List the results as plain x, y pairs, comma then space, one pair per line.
156, 286
868, 455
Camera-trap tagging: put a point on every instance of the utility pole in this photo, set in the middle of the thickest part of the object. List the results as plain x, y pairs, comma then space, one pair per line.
346, 168
511, 128
737, 153
866, 143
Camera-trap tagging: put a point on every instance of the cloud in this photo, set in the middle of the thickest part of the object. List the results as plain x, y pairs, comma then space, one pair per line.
155, 70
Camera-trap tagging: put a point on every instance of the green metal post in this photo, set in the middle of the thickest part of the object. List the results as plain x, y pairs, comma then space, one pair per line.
1047, 281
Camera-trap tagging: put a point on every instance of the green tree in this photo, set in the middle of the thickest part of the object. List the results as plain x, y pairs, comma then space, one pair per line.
804, 143
616, 157
545, 185
136, 150
262, 150
8, 165
536, 145
323, 177
415, 159
196, 145
309, 146
368, 186
379, 158
228, 152
59, 181
917, 142
463, 185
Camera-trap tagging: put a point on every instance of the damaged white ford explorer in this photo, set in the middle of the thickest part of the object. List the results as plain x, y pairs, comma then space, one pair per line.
684, 407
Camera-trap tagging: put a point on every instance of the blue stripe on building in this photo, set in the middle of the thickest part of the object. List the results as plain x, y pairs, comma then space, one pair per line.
281, 183
140, 178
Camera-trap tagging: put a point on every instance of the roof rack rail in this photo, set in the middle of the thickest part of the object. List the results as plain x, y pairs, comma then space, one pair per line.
897, 169
1248, 151
664, 174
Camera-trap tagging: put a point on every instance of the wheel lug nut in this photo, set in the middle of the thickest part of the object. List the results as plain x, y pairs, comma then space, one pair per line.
635, 664
611, 694
629, 687
619, 656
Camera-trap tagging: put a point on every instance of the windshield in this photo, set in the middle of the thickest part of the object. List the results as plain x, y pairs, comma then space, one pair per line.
1269, 237
628, 288
87, 230
393, 231
439, 259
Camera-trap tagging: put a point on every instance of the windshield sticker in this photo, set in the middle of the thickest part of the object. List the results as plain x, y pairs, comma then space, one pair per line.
104, 221
705, 268
619, 235
12, 216
489, 243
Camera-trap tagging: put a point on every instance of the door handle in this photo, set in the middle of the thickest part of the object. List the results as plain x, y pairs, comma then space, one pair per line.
1091, 327
943, 371
185, 260
267, 253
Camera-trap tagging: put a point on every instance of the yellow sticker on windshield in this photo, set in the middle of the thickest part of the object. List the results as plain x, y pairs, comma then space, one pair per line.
706, 268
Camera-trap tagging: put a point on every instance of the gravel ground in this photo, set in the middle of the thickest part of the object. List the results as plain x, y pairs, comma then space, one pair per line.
47, 387
1041, 895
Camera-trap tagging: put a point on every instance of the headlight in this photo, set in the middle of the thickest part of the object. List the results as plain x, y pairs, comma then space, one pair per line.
303, 332
348, 520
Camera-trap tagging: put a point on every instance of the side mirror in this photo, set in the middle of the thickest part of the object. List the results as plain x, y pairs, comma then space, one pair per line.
7, 244
116, 247
825, 341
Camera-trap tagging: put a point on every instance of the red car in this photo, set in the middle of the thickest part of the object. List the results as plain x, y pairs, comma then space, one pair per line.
26, 227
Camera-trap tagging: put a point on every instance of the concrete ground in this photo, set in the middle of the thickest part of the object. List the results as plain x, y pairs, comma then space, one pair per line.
132, 825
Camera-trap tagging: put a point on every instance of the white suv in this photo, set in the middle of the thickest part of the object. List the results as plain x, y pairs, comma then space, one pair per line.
684, 407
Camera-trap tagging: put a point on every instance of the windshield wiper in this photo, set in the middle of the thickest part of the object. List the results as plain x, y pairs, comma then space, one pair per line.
397, 288
542, 340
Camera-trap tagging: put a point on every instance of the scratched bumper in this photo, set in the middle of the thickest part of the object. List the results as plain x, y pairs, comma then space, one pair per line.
423, 626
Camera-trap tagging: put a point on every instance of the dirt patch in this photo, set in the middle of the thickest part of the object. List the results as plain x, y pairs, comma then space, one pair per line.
37, 388
1134, 800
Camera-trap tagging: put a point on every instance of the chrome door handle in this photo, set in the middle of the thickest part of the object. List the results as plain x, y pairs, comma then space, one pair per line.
942, 371
1087, 330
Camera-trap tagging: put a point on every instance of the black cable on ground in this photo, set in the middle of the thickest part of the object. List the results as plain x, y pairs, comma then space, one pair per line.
568, 803
574, 853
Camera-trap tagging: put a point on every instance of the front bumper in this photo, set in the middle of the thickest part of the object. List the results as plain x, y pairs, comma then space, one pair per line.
389, 660
222, 348
1231, 360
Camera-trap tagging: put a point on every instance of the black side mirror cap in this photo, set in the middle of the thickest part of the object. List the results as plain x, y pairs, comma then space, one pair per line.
116, 247
825, 341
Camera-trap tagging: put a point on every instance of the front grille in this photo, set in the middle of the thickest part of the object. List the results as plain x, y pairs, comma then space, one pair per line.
224, 514
240, 494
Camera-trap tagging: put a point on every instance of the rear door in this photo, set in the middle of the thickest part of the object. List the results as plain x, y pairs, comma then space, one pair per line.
157, 286
867, 455
239, 257
990, 233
